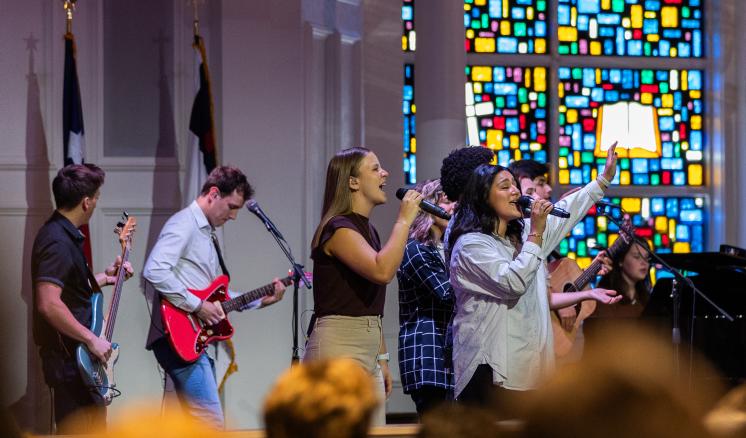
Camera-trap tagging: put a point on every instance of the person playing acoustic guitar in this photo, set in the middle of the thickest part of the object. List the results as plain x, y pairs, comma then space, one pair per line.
62, 295
187, 256
533, 178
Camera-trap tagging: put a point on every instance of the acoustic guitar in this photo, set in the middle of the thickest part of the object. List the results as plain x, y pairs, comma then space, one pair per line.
566, 276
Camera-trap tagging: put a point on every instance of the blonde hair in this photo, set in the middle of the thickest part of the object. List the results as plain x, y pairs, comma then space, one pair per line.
324, 398
420, 230
337, 194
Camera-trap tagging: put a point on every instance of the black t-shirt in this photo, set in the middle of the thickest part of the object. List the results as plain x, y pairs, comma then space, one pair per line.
57, 257
338, 290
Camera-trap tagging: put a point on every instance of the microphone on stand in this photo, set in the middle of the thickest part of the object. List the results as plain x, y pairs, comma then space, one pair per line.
608, 204
254, 207
526, 202
426, 206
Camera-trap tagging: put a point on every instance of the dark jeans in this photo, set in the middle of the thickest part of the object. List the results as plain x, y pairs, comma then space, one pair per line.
71, 396
480, 391
428, 397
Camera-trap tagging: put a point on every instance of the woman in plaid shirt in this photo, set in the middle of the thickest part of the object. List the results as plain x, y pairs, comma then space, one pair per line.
425, 306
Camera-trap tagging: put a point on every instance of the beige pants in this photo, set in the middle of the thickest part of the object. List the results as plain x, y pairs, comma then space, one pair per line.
355, 337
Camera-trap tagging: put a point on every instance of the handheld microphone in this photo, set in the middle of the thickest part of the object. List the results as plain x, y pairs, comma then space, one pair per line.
426, 206
254, 207
526, 202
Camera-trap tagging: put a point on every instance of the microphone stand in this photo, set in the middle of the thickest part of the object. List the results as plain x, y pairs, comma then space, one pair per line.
298, 276
676, 286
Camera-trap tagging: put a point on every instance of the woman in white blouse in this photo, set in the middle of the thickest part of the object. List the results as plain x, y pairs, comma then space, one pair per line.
501, 331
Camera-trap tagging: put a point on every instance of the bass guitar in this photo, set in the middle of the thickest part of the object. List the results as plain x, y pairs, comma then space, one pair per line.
566, 276
188, 335
99, 376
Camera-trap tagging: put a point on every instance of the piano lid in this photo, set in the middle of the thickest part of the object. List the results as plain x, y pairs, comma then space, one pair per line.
706, 262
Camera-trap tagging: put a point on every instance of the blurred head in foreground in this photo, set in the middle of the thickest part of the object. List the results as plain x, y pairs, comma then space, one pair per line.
729, 416
457, 420
324, 398
149, 420
625, 387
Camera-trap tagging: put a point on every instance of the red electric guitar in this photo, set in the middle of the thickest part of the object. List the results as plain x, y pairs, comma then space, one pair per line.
189, 336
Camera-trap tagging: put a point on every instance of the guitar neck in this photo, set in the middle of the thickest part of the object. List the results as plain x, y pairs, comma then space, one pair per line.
587, 275
248, 297
118, 285
591, 271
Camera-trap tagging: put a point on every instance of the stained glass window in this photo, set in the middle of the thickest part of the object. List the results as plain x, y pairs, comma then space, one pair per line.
408, 38
506, 111
656, 115
669, 224
506, 26
410, 139
668, 28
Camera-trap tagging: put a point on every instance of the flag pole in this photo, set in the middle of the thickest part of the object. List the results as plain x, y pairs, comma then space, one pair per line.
195, 10
69, 6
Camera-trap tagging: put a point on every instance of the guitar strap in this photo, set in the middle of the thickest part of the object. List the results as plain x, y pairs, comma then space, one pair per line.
220, 254
92, 280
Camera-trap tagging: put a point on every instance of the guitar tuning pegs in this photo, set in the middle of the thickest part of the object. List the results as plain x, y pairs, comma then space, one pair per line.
120, 225
125, 215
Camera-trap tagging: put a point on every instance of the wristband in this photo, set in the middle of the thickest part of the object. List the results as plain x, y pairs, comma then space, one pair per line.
603, 181
383, 356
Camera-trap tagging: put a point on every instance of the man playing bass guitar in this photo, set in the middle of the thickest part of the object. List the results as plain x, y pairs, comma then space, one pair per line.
187, 256
62, 295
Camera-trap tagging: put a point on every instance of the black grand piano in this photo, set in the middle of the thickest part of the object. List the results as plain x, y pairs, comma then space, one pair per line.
722, 277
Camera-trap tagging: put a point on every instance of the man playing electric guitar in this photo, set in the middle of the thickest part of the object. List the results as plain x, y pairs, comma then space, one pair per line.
187, 256
62, 294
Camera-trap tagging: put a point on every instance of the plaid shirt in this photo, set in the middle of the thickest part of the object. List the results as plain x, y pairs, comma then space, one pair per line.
425, 310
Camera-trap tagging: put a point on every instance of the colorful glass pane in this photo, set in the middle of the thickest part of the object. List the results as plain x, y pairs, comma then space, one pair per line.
506, 111
661, 108
668, 224
408, 38
410, 139
506, 26
668, 28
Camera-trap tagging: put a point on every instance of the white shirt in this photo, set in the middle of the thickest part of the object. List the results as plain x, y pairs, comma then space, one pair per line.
502, 304
183, 257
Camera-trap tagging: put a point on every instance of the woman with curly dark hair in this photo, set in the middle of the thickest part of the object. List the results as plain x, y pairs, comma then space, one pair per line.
501, 331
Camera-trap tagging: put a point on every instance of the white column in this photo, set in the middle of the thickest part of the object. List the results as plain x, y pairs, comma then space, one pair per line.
439, 77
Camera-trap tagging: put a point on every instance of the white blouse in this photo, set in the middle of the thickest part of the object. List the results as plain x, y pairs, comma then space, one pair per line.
502, 303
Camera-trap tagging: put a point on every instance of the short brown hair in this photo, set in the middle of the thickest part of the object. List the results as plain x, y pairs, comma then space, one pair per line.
227, 179
75, 182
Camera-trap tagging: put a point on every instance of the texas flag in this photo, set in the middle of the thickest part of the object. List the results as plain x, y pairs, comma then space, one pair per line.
72, 123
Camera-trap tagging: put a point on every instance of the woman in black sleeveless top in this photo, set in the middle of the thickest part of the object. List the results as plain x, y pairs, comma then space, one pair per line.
352, 268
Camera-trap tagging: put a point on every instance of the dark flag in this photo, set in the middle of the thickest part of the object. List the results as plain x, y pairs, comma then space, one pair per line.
201, 122
72, 124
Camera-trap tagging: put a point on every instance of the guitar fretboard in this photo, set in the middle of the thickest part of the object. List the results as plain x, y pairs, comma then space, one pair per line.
591, 271
248, 297
117, 294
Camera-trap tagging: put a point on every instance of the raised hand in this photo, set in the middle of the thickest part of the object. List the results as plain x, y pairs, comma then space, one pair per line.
610, 166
